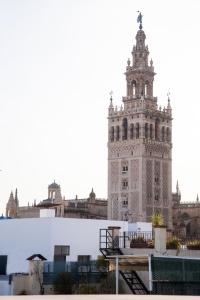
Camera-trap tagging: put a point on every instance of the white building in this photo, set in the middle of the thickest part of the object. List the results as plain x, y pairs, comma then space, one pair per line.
140, 227
21, 238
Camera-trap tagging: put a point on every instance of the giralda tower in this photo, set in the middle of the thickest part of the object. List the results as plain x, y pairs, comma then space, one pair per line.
139, 145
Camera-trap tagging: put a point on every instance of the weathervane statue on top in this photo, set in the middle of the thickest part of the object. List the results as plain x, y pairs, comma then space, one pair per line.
139, 19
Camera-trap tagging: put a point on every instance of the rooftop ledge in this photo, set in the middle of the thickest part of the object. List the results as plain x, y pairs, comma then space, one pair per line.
102, 297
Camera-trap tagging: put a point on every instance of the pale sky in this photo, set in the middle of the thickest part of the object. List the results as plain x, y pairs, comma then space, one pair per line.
59, 59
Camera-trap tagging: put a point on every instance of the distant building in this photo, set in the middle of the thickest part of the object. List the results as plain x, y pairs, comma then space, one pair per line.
12, 205
87, 208
186, 215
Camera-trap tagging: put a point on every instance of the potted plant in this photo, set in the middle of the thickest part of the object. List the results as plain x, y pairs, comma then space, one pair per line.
174, 243
193, 245
157, 220
138, 242
160, 234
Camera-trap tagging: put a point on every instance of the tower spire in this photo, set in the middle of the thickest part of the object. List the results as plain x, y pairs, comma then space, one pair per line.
177, 188
11, 207
111, 99
16, 197
111, 107
140, 74
139, 19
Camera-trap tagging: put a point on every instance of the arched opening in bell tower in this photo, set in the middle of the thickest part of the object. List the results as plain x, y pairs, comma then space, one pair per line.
124, 129
151, 131
163, 133
157, 125
117, 133
137, 130
131, 131
134, 88
146, 130
146, 88
168, 135
112, 134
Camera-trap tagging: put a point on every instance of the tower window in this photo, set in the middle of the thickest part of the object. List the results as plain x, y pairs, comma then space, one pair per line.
137, 130
124, 169
157, 129
151, 131
112, 134
163, 133
146, 130
117, 133
124, 129
125, 184
168, 138
131, 131
146, 89
125, 202
134, 87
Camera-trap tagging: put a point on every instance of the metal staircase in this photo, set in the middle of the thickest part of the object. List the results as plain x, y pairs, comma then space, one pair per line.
110, 251
134, 282
110, 245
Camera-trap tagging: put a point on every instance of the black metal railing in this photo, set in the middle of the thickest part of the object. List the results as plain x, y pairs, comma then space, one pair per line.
189, 242
91, 269
109, 241
144, 239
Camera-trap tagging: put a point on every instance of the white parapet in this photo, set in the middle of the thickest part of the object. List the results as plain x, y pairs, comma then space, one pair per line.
140, 227
160, 240
47, 213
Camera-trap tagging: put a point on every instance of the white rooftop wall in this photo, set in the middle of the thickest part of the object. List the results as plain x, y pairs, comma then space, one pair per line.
140, 226
47, 213
4, 287
20, 238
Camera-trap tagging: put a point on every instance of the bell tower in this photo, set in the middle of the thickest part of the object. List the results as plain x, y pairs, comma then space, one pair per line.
12, 205
139, 145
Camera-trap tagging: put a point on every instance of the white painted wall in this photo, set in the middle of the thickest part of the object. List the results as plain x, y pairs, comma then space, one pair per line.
4, 287
140, 226
20, 238
47, 213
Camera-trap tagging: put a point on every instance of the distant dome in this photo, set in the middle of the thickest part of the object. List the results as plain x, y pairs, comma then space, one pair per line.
54, 185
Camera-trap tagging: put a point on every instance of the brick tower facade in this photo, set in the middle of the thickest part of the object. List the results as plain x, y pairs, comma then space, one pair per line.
139, 146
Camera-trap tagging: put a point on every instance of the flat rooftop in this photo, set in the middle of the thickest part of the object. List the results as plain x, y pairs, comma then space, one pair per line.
100, 297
